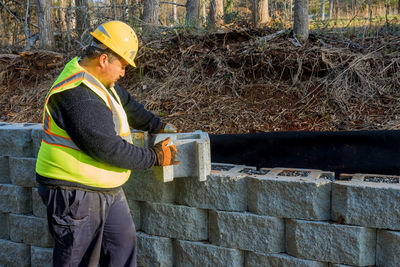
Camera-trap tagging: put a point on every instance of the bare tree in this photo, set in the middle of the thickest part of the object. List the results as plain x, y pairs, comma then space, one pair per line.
330, 10
300, 20
82, 17
260, 12
46, 38
322, 9
150, 13
216, 15
193, 13
175, 13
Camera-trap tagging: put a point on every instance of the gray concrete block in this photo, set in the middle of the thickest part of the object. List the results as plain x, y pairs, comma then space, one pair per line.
134, 207
14, 254
29, 230
223, 190
336, 243
4, 170
174, 221
154, 251
193, 153
37, 133
306, 195
366, 204
4, 226
388, 249
41, 257
22, 171
247, 231
143, 185
18, 199
200, 254
140, 138
16, 140
282, 260
38, 207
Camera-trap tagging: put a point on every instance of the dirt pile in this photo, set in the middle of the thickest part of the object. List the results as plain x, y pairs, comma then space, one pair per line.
240, 81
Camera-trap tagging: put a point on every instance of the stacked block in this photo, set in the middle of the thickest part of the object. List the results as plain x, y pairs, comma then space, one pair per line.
24, 234
203, 214
361, 201
323, 241
299, 194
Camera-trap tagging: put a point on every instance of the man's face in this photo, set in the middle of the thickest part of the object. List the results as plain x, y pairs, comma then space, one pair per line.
113, 70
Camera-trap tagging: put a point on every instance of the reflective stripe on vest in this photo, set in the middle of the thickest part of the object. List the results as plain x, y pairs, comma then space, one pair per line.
59, 157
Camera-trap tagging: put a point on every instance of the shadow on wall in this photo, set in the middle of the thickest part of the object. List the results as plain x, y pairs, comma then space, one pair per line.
340, 152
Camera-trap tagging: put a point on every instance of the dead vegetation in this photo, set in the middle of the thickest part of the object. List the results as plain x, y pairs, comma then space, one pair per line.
239, 81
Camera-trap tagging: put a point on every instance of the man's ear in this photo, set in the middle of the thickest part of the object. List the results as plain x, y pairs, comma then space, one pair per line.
103, 60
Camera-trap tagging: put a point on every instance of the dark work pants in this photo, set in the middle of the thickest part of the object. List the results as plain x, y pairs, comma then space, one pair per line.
90, 228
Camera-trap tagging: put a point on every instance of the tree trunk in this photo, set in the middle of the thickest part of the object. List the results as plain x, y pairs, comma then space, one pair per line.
216, 16
300, 20
398, 7
370, 11
330, 10
193, 13
175, 14
322, 9
260, 12
46, 38
150, 14
82, 17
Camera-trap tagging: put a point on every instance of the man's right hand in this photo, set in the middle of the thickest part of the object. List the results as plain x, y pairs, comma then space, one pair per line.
165, 154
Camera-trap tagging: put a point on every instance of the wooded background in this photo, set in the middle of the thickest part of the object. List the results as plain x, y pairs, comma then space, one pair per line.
61, 25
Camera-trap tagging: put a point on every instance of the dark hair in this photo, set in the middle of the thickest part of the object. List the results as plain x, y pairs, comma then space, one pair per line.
94, 50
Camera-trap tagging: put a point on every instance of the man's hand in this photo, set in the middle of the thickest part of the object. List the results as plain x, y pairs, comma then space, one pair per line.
165, 154
169, 128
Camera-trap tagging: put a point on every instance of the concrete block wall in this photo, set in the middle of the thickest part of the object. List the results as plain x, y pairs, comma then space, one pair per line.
238, 216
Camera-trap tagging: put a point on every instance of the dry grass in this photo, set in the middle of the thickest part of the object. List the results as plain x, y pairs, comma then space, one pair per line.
232, 82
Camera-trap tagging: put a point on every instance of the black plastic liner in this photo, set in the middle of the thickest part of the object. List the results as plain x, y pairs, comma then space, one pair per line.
376, 152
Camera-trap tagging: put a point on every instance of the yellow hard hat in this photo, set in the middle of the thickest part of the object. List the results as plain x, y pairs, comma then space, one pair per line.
120, 38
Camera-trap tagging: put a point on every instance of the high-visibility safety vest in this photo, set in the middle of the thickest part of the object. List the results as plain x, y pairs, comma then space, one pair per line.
59, 157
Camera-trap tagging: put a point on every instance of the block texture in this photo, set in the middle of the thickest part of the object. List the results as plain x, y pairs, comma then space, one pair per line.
38, 207
388, 248
334, 243
290, 197
37, 132
41, 257
4, 226
199, 254
29, 230
14, 254
219, 192
154, 250
22, 171
174, 221
134, 207
366, 204
4, 170
282, 260
247, 231
143, 185
18, 199
16, 140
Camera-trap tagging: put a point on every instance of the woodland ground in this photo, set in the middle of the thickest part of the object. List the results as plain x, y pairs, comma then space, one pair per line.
239, 80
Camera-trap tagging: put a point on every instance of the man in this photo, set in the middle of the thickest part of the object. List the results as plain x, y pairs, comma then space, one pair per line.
86, 153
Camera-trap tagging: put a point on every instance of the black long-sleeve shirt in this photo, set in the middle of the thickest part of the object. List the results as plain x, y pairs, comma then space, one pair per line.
89, 123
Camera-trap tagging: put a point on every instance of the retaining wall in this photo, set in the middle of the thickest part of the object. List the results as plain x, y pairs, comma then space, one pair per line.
239, 216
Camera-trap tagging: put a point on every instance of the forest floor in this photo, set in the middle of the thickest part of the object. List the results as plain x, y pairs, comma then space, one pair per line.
238, 81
